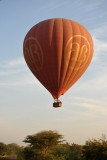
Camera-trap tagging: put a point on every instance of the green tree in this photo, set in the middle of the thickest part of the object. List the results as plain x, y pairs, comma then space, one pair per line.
62, 152
76, 151
20, 154
68, 152
28, 153
41, 144
3, 149
95, 149
13, 148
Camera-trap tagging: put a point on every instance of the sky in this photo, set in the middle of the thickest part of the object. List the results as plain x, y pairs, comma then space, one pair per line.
25, 105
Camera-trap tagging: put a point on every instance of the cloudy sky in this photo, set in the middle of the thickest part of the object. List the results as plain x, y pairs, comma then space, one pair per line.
25, 105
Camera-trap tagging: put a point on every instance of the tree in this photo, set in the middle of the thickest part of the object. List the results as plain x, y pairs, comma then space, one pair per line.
42, 144
95, 149
3, 149
75, 152
27, 153
62, 152
20, 154
13, 148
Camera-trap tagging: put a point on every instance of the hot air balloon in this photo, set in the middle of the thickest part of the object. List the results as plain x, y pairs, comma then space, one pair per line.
58, 51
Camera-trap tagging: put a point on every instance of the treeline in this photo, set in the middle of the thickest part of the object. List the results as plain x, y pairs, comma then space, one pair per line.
50, 145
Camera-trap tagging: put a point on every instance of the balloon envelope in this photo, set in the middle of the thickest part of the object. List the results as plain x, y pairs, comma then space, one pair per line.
58, 51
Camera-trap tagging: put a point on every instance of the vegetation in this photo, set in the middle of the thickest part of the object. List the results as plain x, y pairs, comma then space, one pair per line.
9, 151
3, 149
50, 145
41, 145
95, 149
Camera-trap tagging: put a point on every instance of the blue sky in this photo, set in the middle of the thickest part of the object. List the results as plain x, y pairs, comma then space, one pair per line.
25, 105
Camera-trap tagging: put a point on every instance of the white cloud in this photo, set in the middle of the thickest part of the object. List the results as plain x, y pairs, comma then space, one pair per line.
100, 46
16, 73
90, 100
86, 109
100, 43
93, 107
100, 32
12, 67
9, 72
20, 81
15, 62
100, 49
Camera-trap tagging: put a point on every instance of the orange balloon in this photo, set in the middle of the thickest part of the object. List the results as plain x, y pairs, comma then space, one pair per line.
58, 51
